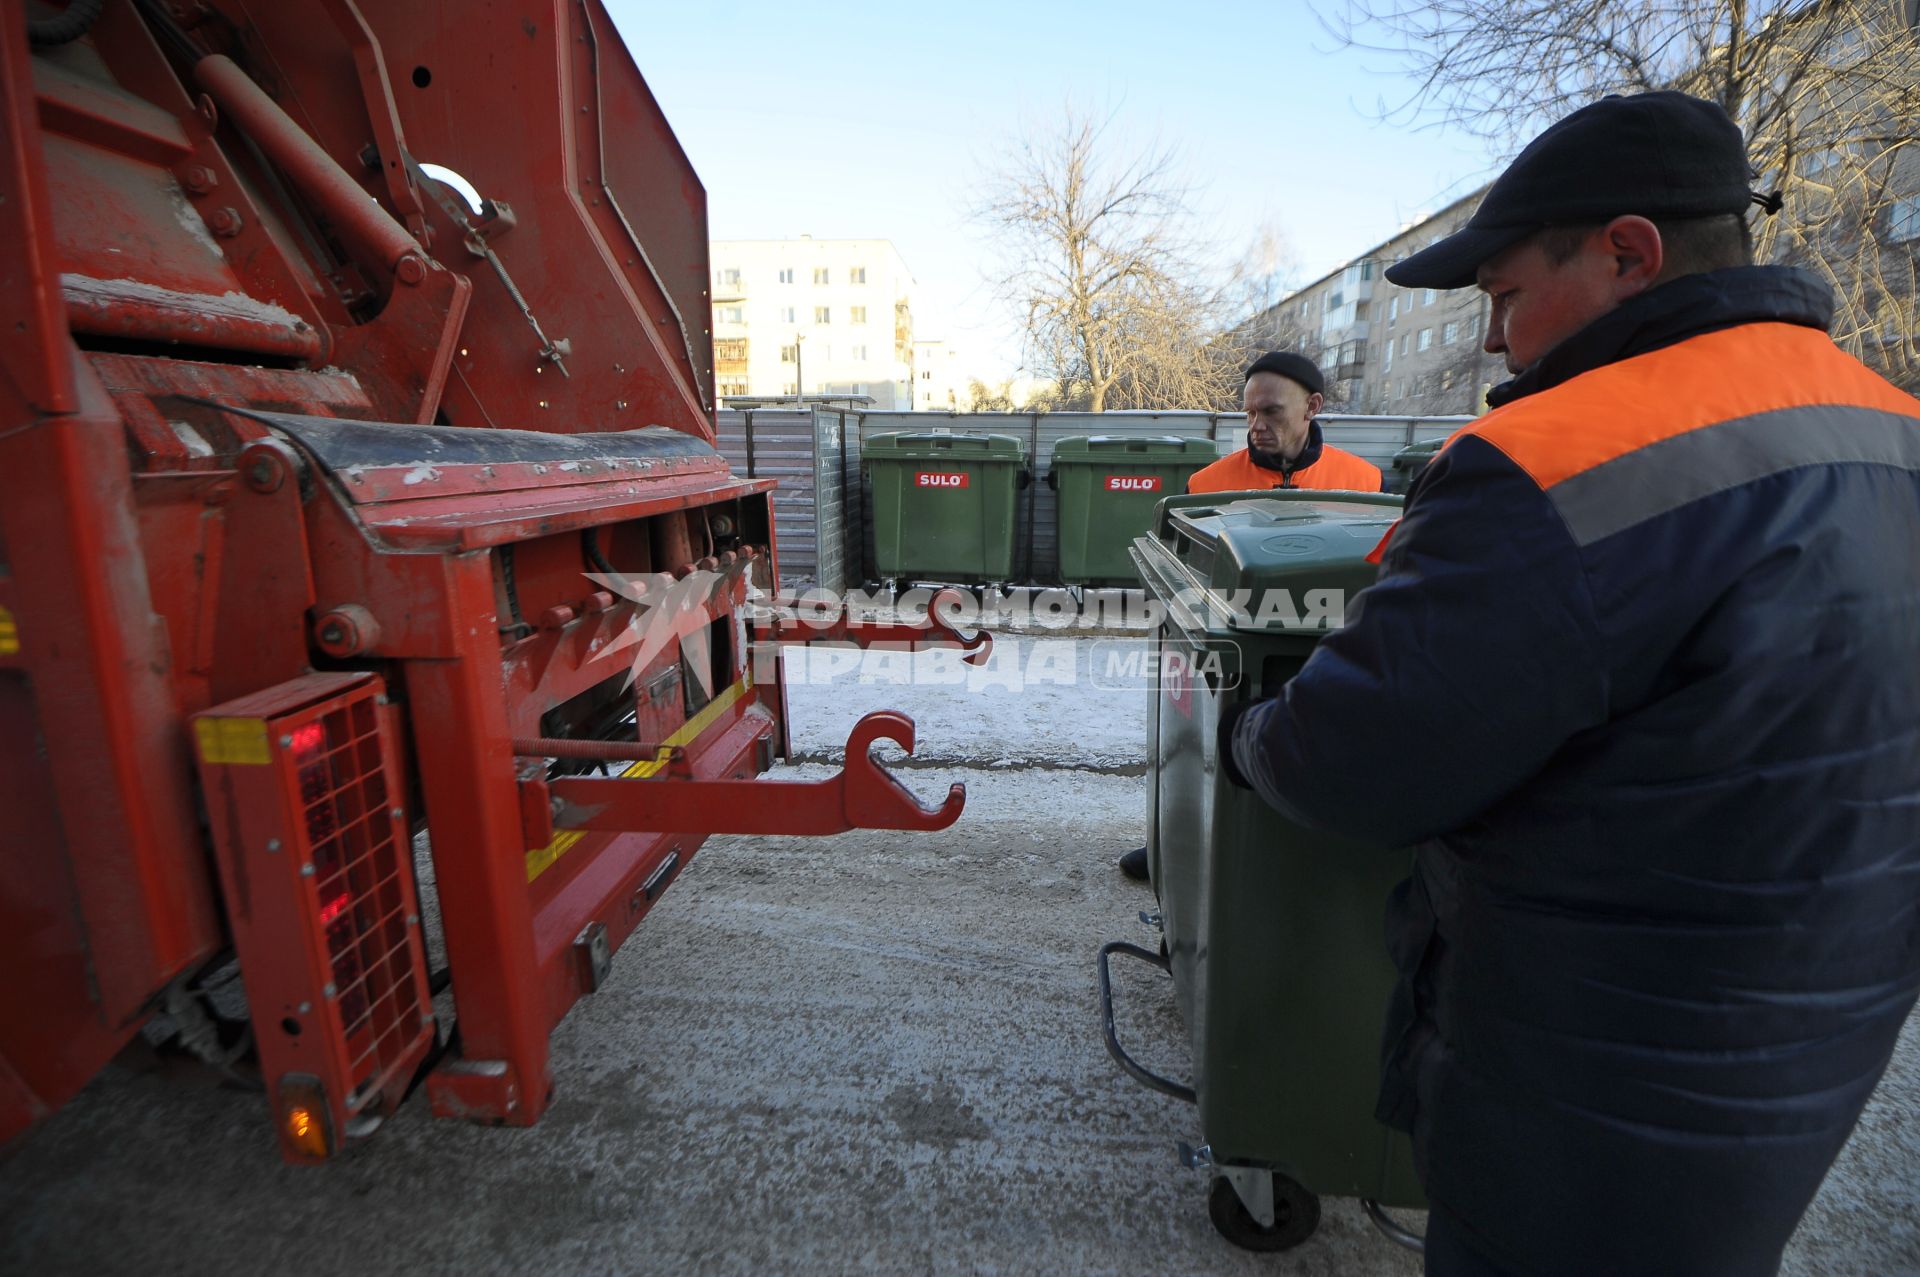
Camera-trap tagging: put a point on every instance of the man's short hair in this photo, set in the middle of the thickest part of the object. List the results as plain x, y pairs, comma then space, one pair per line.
1694, 245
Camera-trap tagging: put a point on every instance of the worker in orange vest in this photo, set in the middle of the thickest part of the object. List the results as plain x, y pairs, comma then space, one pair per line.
1285, 445
1285, 449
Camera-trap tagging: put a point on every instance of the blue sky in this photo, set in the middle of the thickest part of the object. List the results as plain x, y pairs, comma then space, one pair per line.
858, 120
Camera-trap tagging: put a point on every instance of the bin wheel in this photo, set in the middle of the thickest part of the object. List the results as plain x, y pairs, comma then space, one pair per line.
1296, 1213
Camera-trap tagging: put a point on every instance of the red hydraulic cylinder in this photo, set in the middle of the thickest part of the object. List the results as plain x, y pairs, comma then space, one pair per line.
368, 227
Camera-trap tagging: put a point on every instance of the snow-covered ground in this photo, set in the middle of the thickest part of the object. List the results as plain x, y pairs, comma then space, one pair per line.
1038, 701
874, 1053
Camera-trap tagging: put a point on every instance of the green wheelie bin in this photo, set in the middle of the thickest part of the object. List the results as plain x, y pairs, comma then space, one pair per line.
1273, 934
944, 504
1410, 461
1107, 487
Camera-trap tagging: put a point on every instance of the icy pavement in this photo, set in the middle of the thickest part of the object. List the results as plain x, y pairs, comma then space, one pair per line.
877, 1053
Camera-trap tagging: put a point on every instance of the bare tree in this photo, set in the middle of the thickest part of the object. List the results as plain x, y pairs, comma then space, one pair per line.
1097, 260
984, 398
1262, 280
1828, 92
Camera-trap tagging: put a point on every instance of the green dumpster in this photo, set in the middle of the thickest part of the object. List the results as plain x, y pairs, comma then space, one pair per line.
1411, 460
1272, 933
944, 504
1107, 487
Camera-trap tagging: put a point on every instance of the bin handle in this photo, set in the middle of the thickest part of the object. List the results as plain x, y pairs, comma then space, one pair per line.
1396, 1232
1025, 479
1128, 1065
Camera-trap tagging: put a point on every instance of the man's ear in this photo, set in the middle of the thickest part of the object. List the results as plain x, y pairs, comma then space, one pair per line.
1315, 401
1638, 256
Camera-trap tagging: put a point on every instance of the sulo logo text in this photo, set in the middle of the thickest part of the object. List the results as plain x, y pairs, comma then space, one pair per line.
941, 479
1133, 483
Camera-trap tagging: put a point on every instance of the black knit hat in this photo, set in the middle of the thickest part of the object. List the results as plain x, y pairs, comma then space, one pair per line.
1655, 154
1291, 366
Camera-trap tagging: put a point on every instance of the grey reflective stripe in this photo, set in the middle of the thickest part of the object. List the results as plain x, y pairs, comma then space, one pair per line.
1672, 473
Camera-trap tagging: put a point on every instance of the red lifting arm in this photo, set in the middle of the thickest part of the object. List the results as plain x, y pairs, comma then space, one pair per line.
928, 633
863, 796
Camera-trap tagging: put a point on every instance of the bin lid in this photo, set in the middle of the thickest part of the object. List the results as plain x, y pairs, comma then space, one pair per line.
1148, 449
923, 445
1420, 451
1247, 561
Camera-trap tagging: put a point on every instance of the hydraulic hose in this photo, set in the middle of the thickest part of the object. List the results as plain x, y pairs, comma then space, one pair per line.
65, 28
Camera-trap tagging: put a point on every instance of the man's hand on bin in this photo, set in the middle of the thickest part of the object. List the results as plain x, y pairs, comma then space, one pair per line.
1229, 718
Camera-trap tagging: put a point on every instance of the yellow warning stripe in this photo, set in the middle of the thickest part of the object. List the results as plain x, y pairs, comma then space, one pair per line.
540, 859
9, 634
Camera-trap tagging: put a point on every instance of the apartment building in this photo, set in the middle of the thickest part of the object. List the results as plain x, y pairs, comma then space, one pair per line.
812, 316
1429, 342
940, 384
1387, 349
1840, 154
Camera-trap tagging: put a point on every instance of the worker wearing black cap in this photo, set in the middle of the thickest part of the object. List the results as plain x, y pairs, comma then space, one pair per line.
1638, 682
1285, 446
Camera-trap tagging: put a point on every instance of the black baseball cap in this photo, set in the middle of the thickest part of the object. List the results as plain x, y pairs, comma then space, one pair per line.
1294, 367
1658, 155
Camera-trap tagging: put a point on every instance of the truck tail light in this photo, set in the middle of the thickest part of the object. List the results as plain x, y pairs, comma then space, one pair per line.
303, 787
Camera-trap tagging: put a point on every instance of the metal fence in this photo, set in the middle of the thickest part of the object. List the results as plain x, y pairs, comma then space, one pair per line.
821, 506
816, 460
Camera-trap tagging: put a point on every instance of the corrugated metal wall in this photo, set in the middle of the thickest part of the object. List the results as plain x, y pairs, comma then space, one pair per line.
810, 508
823, 497
838, 507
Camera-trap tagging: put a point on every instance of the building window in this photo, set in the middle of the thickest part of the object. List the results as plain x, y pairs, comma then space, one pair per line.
822, 315
1450, 334
786, 314
1389, 366
789, 354
859, 352
1903, 220
733, 386
1473, 326
858, 315
730, 349
1393, 309
787, 388
1446, 379
1405, 338
730, 277
1366, 269
1426, 338
733, 314
927, 376
857, 275
859, 387
786, 274
819, 274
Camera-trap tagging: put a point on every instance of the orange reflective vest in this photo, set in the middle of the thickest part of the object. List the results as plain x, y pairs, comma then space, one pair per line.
1337, 469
